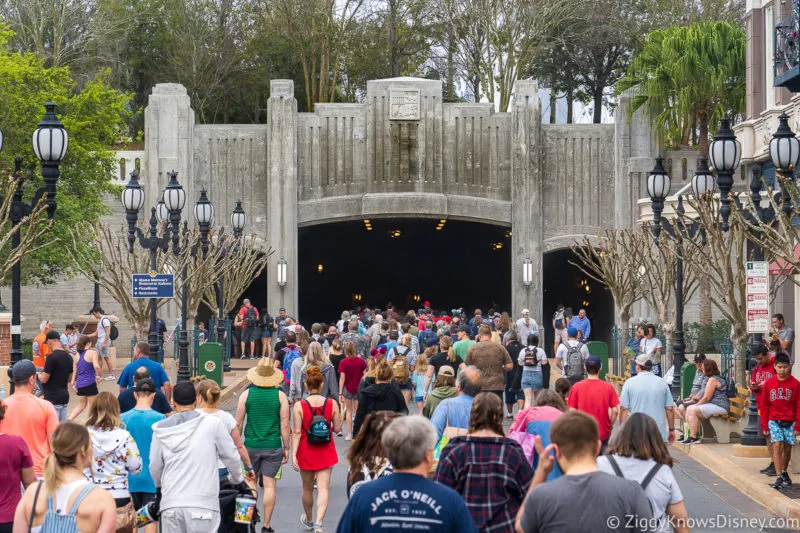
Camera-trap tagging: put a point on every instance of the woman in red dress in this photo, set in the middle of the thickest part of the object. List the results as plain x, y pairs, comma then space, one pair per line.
313, 449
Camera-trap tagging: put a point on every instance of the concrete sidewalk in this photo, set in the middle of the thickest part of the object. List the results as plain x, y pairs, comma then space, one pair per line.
743, 473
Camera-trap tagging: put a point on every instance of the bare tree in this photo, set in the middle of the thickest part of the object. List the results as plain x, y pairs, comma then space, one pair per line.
607, 262
657, 269
722, 263
239, 262
32, 228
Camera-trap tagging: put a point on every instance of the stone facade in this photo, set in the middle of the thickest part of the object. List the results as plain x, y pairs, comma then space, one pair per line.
401, 153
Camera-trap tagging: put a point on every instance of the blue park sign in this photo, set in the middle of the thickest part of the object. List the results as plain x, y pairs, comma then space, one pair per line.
153, 285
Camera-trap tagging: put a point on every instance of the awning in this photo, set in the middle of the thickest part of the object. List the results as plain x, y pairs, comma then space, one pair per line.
781, 267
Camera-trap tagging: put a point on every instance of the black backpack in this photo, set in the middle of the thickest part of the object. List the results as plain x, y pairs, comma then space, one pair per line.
251, 317
268, 322
113, 333
319, 429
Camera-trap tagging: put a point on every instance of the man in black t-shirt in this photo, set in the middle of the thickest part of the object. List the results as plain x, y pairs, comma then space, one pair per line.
56, 374
127, 400
513, 392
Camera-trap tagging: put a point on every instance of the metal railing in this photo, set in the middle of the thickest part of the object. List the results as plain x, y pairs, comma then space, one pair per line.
227, 345
786, 56
731, 358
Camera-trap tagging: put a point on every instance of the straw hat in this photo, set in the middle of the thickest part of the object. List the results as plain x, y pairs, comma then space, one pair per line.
264, 374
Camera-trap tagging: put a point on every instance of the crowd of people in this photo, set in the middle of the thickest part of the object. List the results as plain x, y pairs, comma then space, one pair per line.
452, 466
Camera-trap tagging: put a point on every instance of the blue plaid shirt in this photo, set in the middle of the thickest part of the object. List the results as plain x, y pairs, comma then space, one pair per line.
491, 474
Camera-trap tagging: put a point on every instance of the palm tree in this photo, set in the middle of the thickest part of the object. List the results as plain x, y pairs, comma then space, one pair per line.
688, 77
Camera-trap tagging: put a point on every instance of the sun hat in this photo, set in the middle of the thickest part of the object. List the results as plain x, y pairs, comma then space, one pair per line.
264, 374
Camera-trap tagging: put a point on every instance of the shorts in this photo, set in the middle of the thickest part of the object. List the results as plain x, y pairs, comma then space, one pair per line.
561, 335
88, 390
409, 385
499, 393
709, 409
140, 499
250, 334
419, 399
266, 462
532, 379
349, 395
266, 334
512, 396
103, 351
780, 434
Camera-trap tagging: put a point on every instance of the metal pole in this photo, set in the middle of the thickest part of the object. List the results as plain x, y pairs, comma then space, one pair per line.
16, 277
96, 302
152, 245
226, 357
678, 346
183, 341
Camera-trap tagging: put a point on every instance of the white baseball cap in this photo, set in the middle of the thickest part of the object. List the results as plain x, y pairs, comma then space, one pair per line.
525, 312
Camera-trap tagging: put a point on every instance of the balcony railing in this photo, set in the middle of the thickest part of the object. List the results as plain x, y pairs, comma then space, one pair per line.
787, 53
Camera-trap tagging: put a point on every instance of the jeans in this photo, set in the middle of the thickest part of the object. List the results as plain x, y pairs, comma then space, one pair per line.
61, 411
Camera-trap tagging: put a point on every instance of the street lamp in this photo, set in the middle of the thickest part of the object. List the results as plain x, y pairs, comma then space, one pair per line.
204, 216
132, 200
175, 199
725, 152
50, 141
238, 219
658, 184
784, 150
527, 271
282, 272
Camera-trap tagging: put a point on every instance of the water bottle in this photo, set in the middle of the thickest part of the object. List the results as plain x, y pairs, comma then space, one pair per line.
2, 392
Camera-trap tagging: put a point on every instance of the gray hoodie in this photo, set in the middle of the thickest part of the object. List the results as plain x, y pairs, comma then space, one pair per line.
330, 386
183, 460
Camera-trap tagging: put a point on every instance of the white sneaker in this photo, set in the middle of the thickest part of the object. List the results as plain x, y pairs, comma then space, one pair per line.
110, 377
348, 437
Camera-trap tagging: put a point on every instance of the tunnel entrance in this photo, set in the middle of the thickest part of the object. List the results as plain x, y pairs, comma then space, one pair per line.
565, 283
403, 261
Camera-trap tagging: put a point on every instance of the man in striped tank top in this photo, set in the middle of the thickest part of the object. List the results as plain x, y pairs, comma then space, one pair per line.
266, 410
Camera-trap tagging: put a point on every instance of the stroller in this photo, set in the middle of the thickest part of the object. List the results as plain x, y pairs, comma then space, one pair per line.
227, 506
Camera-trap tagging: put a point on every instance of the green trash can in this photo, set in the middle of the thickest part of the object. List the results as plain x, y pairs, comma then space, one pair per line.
210, 361
688, 372
599, 349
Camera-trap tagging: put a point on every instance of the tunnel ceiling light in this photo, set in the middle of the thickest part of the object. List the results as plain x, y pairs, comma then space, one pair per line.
497, 246
508, 234
320, 268
395, 233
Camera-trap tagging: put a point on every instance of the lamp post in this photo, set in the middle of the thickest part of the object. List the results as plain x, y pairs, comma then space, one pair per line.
725, 152
658, 185
784, 151
132, 200
174, 200
238, 221
50, 141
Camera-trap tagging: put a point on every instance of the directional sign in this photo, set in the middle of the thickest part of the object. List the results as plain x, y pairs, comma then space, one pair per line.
153, 285
757, 296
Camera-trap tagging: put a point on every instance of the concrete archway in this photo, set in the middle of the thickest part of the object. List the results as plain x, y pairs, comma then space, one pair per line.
565, 283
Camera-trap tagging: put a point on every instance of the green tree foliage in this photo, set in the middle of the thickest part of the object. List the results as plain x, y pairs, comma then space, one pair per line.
95, 117
689, 75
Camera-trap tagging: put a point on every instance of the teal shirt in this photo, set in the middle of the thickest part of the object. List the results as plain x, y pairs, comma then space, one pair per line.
139, 424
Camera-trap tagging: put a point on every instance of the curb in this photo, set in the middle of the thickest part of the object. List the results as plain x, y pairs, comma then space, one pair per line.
235, 388
761, 493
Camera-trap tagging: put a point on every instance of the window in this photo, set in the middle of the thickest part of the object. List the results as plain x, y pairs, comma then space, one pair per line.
769, 50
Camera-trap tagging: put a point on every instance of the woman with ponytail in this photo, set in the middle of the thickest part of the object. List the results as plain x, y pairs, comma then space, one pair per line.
65, 502
313, 448
208, 393
115, 455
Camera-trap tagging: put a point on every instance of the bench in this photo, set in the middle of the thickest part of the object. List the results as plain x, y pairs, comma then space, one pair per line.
731, 423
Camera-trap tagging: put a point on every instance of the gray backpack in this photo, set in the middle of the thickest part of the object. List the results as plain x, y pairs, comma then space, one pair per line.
574, 368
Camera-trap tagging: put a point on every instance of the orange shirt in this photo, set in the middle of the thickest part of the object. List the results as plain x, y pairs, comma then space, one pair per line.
44, 350
34, 420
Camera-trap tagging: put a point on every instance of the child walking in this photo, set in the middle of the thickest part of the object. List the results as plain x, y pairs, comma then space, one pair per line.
779, 416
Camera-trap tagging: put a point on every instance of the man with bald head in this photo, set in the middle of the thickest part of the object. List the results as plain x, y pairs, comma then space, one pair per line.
454, 412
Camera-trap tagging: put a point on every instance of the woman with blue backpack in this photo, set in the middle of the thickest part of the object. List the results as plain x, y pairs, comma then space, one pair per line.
315, 419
